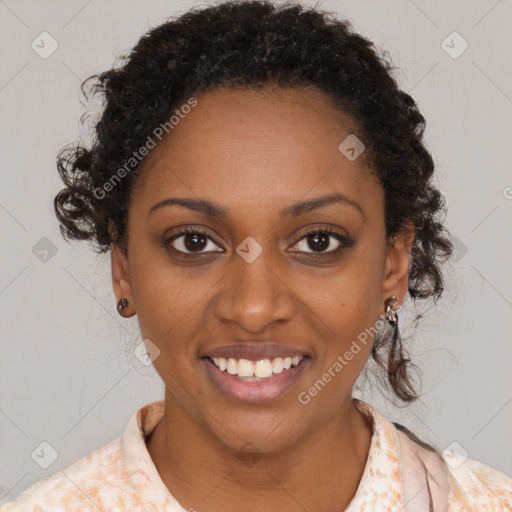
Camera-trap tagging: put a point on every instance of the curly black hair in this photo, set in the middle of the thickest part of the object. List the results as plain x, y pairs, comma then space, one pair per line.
254, 44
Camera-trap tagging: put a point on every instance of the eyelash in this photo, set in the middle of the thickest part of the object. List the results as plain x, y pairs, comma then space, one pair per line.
344, 241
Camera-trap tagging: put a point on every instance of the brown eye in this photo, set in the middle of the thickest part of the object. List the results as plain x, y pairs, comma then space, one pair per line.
323, 241
190, 241
319, 241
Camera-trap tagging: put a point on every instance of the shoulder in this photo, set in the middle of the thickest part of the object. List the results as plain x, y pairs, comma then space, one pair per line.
456, 480
115, 477
84, 485
473, 482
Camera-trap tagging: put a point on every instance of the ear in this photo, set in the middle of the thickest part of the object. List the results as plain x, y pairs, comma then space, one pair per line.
121, 278
398, 261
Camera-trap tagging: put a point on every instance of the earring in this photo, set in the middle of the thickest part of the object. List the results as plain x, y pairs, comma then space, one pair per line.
122, 305
391, 311
391, 316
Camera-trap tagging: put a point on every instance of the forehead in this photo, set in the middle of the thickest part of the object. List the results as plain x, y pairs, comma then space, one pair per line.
269, 146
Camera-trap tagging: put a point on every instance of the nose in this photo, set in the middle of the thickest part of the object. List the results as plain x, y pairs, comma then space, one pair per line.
255, 295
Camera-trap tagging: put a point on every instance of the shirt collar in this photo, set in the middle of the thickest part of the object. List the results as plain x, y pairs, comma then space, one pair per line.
141, 471
380, 488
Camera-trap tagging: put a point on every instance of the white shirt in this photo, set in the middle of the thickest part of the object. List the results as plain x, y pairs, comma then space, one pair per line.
120, 476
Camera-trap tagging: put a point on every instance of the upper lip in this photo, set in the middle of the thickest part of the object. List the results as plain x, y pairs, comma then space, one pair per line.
254, 351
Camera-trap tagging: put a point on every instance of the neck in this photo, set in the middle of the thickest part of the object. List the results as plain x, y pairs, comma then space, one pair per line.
205, 475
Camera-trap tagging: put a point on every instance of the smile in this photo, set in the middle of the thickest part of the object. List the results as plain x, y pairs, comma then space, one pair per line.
256, 370
255, 381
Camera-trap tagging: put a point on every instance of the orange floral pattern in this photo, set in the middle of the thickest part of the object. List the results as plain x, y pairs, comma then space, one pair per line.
120, 477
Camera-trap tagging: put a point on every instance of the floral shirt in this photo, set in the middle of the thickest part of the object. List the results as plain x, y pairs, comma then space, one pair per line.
120, 477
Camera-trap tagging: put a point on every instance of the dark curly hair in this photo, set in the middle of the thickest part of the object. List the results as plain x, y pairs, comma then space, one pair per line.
255, 44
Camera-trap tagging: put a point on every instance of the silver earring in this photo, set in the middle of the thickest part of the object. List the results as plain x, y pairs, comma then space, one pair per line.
391, 310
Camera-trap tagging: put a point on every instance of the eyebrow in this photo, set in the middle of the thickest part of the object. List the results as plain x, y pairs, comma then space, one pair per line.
294, 210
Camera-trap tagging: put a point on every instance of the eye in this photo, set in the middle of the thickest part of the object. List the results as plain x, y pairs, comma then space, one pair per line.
323, 241
193, 241
196, 241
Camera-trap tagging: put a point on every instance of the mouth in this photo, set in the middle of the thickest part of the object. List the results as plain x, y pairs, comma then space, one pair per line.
260, 381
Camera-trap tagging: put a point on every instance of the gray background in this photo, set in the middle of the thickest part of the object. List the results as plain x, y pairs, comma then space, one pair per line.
68, 375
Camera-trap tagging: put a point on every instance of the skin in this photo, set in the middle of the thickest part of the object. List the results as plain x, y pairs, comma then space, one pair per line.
255, 152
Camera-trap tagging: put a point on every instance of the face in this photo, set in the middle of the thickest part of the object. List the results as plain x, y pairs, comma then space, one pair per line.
257, 267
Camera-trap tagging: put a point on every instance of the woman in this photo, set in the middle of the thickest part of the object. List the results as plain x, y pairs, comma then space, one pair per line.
263, 188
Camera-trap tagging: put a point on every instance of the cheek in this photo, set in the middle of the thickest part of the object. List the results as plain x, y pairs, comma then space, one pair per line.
170, 300
346, 295
345, 307
155, 289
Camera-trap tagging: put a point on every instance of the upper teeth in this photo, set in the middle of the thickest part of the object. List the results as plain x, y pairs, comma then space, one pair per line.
263, 368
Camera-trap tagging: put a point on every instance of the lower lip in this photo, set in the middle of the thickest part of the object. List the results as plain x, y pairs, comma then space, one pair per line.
255, 392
